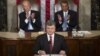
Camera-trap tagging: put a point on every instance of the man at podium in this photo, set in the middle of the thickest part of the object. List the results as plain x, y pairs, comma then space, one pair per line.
50, 42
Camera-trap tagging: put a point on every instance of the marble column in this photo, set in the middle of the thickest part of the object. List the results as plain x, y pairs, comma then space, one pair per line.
11, 15
85, 14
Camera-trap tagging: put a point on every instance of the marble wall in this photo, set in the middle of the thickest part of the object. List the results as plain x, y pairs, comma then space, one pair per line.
85, 14
12, 15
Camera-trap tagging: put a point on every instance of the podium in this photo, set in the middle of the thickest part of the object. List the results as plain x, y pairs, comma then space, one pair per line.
51, 55
12, 45
28, 35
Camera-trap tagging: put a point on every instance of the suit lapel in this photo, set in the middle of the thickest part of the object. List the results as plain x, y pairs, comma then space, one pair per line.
69, 12
24, 15
55, 43
62, 15
31, 12
46, 42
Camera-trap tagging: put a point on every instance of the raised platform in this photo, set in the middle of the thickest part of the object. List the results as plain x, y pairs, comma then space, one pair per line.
12, 45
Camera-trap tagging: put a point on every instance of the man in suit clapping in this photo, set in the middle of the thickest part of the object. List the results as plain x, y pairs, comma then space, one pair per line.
66, 19
29, 19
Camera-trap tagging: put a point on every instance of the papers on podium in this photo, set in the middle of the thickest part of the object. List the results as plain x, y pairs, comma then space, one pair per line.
21, 33
51, 55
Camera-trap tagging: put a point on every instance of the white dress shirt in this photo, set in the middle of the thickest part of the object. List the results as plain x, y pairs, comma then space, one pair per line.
26, 21
65, 14
48, 36
65, 23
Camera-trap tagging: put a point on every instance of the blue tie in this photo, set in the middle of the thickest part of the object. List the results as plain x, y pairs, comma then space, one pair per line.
65, 23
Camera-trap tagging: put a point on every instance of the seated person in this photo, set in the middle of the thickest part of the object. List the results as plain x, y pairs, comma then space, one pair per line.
65, 19
50, 42
29, 19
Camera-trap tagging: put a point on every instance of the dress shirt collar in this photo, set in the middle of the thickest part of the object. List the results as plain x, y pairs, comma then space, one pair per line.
48, 36
65, 13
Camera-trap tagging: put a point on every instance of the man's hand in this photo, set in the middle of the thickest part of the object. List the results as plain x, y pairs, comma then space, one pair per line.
59, 18
33, 16
41, 52
62, 52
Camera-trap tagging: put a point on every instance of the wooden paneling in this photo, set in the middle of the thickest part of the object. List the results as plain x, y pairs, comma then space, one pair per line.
97, 47
0, 47
87, 47
77, 47
73, 46
26, 47
10, 48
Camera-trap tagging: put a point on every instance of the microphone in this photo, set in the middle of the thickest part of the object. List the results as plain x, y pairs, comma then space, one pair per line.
32, 15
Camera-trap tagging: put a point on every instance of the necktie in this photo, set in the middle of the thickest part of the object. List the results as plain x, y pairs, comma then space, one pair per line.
65, 24
51, 46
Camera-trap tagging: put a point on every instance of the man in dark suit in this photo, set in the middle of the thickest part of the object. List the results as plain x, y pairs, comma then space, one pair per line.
50, 42
66, 19
29, 19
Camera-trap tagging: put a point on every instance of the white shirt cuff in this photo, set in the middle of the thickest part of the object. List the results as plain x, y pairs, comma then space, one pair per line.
34, 20
68, 21
26, 21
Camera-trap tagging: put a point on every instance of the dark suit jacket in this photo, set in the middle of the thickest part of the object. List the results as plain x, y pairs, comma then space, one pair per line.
42, 43
36, 25
73, 22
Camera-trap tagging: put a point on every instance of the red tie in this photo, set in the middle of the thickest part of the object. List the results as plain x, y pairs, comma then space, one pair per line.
51, 46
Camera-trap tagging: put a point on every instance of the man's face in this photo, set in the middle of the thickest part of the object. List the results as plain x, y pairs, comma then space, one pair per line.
50, 29
64, 6
26, 6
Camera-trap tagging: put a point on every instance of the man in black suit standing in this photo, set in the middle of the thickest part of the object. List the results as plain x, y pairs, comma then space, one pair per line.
66, 19
50, 42
29, 19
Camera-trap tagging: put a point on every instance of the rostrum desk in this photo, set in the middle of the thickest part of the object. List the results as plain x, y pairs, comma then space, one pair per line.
12, 45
